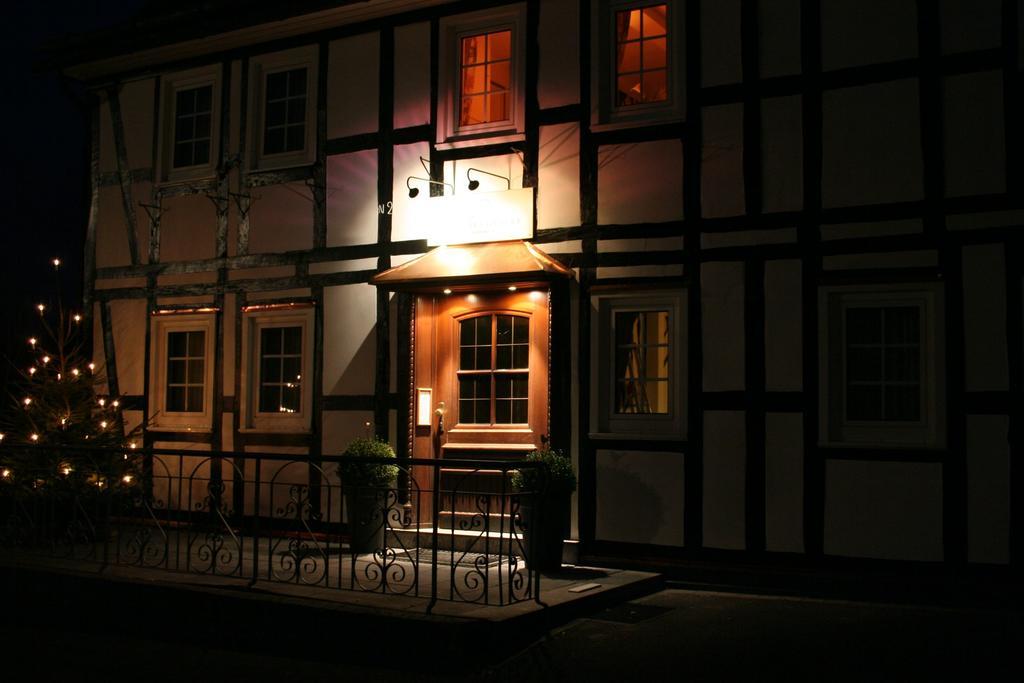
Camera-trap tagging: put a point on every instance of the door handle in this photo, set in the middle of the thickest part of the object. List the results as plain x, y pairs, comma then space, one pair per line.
439, 411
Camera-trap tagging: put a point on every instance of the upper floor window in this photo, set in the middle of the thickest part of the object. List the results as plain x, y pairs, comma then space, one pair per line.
881, 375
284, 101
181, 370
190, 134
640, 364
639, 58
481, 79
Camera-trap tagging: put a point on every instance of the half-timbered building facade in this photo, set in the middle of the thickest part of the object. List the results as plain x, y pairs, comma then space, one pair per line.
757, 266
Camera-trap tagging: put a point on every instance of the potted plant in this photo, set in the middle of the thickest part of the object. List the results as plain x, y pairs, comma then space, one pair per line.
544, 506
366, 486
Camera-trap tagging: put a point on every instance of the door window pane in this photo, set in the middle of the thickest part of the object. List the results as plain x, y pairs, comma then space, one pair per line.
488, 392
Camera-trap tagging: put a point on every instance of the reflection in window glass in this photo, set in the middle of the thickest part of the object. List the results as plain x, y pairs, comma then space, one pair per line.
280, 387
284, 114
883, 364
642, 362
186, 371
485, 75
641, 55
192, 133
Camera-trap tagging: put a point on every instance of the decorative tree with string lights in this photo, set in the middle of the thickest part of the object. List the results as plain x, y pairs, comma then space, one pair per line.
58, 431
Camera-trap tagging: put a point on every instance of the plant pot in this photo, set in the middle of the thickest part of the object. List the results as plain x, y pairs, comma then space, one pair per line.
367, 507
545, 525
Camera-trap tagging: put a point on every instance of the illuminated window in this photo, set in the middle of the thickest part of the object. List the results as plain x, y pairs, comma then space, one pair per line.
189, 131
278, 348
283, 101
641, 55
485, 78
493, 374
181, 371
638, 55
481, 78
640, 365
881, 375
642, 358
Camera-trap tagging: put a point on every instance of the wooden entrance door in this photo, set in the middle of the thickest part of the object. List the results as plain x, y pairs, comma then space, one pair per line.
484, 356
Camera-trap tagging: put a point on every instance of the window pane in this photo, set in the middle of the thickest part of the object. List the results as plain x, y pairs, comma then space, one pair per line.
629, 58
654, 54
483, 358
276, 113
902, 325
654, 21
296, 111
270, 370
628, 90
642, 356
504, 329
270, 341
277, 85
520, 357
185, 102
204, 98
473, 110
196, 368
291, 399
503, 360
522, 330
200, 152
176, 371
177, 344
903, 364
483, 329
270, 398
903, 403
655, 87
864, 364
195, 399
196, 344
297, 82
296, 139
293, 340
176, 399
864, 402
627, 25
292, 369
473, 49
273, 141
498, 107
863, 325
498, 76
474, 80
202, 126
499, 46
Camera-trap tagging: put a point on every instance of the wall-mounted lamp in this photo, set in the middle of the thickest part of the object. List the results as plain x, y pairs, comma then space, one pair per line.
413, 191
473, 184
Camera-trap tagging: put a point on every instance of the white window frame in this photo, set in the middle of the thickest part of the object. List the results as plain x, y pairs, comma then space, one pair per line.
605, 422
261, 67
453, 29
161, 325
171, 84
604, 114
835, 429
254, 320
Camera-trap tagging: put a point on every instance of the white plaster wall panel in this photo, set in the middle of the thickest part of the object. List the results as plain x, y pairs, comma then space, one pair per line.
108, 154
343, 266
188, 229
352, 198
559, 66
142, 192
278, 294
558, 176
137, 113
985, 357
721, 177
404, 225
227, 320
132, 421
111, 236
339, 429
205, 299
128, 320
988, 490
783, 325
506, 165
227, 430
895, 259
120, 282
779, 43
856, 32
990, 219
640, 497
975, 154
235, 106
181, 478
871, 144
877, 228
725, 480
566, 247
640, 182
784, 482
281, 219
276, 477
747, 238
720, 42
722, 310
883, 510
970, 24
412, 75
353, 68
350, 312
782, 169
208, 277
98, 355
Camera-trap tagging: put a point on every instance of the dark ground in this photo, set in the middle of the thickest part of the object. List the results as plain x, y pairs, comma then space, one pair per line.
673, 635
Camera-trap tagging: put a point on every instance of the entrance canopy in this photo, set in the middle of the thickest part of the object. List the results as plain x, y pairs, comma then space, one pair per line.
465, 266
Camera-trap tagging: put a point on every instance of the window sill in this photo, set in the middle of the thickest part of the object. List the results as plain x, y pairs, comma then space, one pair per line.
463, 143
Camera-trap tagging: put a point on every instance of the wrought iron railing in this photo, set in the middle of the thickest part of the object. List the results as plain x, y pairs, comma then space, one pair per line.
443, 530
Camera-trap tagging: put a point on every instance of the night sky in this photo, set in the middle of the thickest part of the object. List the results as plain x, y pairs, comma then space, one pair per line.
46, 163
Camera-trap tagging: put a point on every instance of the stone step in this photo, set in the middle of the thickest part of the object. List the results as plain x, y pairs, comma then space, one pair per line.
474, 521
477, 541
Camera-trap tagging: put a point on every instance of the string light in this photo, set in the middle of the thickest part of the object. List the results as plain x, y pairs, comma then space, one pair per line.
46, 359
127, 478
56, 263
66, 470
6, 473
32, 341
77, 318
27, 401
2, 435
91, 366
34, 437
103, 424
31, 371
40, 308
74, 371
102, 402
58, 376
115, 403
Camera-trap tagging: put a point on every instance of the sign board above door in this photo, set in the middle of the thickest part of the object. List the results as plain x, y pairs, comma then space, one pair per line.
472, 217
